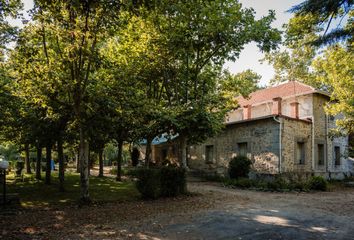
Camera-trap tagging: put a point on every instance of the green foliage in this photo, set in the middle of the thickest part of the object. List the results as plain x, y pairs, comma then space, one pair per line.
173, 181
242, 83
239, 167
241, 183
334, 69
327, 69
103, 189
149, 183
91, 71
318, 183
278, 183
161, 182
213, 177
326, 13
9, 151
8, 9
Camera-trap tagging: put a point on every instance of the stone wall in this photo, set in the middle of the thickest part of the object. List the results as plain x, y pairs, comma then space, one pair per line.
294, 131
323, 126
263, 147
261, 136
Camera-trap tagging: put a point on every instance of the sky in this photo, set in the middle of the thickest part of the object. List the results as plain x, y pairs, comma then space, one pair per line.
250, 56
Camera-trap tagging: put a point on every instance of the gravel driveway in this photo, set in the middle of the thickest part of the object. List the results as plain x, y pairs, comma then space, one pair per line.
214, 212
241, 214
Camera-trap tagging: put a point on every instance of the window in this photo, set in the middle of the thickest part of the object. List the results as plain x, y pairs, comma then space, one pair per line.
242, 148
336, 156
300, 152
209, 154
320, 154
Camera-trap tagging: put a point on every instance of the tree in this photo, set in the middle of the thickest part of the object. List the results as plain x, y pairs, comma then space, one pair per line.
334, 69
72, 31
45, 111
326, 69
200, 38
325, 13
8, 8
294, 63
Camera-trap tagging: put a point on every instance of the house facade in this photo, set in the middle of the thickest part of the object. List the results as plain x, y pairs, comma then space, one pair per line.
283, 130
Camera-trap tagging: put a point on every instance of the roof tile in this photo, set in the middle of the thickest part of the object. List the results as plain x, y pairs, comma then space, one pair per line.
288, 89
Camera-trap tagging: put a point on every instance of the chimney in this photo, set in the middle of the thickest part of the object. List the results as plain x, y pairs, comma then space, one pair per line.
247, 112
294, 109
276, 108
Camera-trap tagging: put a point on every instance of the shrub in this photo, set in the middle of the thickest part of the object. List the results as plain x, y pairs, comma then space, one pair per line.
239, 167
149, 183
244, 183
318, 183
240, 182
173, 181
214, 178
298, 185
278, 184
135, 154
161, 182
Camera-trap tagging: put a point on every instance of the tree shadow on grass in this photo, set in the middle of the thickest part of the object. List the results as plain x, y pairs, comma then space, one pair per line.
33, 193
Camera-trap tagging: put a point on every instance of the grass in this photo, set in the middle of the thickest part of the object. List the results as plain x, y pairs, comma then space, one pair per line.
35, 193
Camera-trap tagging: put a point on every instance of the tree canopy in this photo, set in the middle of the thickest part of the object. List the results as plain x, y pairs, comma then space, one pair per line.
325, 14
88, 72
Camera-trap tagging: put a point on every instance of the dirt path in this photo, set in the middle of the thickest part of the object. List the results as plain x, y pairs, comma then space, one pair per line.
213, 213
241, 214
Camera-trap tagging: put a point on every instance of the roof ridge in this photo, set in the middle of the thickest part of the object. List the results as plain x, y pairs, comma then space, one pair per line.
285, 89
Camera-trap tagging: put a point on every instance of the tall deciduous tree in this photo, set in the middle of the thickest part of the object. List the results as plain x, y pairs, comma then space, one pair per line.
335, 69
75, 29
201, 37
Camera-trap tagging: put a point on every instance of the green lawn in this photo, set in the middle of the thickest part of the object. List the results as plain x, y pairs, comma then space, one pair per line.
36, 193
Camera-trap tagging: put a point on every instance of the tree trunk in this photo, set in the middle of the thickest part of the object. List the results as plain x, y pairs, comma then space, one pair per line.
148, 151
27, 159
89, 163
119, 160
77, 158
100, 161
39, 162
48, 168
61, 164
183, 151
84, 177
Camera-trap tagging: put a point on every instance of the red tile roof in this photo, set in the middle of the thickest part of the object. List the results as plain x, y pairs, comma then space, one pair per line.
284, 90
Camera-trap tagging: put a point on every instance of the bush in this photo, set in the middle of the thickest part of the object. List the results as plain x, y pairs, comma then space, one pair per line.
149, 183
161, 182
318, 183
278, 184
135, 154
241, 182
173, 181
298, 185
239, 167
244, 183
214, 178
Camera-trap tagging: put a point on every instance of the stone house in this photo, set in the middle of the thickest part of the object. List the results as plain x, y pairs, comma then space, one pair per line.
282, 129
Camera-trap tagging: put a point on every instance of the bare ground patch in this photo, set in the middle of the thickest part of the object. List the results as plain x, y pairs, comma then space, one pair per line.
213, 213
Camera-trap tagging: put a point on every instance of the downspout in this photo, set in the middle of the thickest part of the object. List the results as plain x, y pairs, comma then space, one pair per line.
280, 143
326, 142
313, 144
